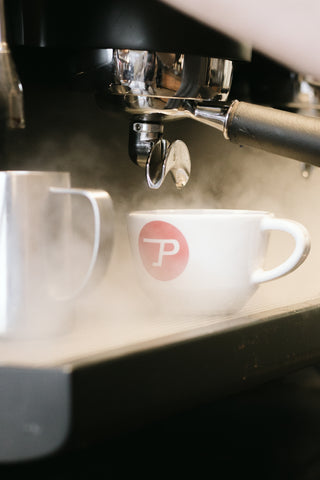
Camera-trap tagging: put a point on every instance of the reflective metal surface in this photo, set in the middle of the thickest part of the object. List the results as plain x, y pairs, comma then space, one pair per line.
306, 95
151, 151
165, 158
36, 284
305, 101
152, 81
10, 85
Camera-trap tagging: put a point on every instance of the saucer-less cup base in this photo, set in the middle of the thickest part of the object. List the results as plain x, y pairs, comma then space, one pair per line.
207, 262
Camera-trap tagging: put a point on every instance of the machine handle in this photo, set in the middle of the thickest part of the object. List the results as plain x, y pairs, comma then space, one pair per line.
298, 256
276, 131
102, 209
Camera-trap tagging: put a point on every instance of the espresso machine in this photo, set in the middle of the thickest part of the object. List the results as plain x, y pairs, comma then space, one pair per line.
158, 79
156, 67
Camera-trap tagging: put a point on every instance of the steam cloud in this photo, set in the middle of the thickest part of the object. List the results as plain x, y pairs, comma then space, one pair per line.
93, 147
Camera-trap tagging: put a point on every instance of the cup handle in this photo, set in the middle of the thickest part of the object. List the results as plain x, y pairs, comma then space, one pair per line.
102, 209
298, 256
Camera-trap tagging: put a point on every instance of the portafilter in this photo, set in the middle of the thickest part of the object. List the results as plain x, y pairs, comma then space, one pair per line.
157, 87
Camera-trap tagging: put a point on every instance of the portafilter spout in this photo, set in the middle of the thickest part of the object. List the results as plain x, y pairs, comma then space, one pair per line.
158, 156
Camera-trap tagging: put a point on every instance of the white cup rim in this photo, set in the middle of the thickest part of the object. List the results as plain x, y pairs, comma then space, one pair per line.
197, 211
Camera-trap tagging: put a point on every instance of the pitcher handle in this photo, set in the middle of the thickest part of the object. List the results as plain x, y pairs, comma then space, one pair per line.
102, 209
298, 256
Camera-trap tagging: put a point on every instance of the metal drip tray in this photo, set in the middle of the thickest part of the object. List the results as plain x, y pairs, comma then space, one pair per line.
97, 382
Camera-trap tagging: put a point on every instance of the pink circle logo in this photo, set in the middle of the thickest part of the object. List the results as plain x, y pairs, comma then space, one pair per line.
163, 249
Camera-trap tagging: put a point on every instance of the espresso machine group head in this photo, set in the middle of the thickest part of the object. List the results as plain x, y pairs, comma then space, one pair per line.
157, 87
160, 65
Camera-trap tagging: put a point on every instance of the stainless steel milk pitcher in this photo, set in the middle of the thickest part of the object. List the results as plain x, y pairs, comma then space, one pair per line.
35, 245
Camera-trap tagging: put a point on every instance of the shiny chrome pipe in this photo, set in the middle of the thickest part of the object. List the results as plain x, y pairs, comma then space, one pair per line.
10, 86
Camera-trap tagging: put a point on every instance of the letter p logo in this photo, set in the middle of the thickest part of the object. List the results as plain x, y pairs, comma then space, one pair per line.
163, 250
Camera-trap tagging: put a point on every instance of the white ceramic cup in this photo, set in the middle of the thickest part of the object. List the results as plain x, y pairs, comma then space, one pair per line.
208, 262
